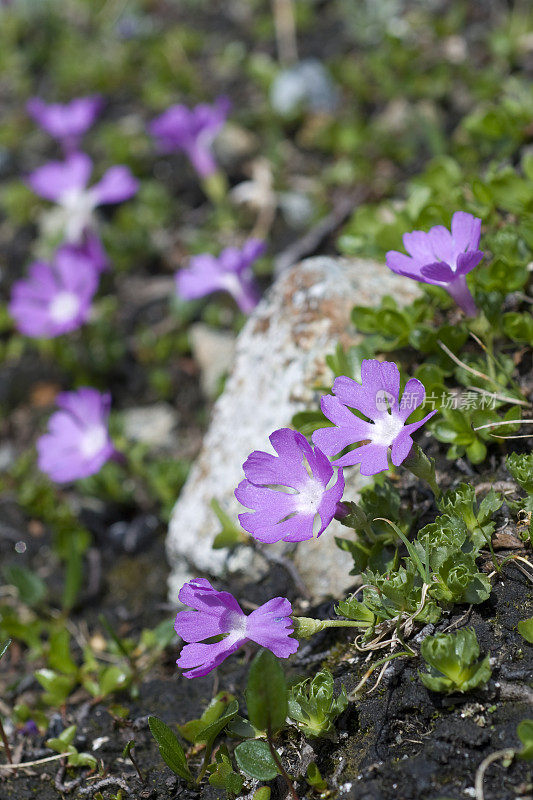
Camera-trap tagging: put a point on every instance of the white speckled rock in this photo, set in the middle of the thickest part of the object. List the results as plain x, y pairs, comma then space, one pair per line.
279, 363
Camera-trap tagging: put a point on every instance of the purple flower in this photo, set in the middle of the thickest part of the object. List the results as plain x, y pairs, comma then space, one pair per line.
29, 728
192, 130
443, 258
229, 272
77, 443
214, 613
66, 122
289, 493
91, 248
65, 183
55, 298
377, 397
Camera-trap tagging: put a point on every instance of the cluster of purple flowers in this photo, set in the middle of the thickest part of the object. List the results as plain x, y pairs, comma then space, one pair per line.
56, 297
295, 494
193, 131
290, 496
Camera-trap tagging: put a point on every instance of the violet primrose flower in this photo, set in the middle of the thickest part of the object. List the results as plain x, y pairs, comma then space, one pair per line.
442, 258
229, 272
66, 122
91, 248
192, 130
77, 443
214, 613
65, 183
377, 397
55, 298
289, 493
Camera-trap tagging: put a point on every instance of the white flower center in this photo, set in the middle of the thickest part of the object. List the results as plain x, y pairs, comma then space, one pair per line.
78, 206
64, 307
232, 284
239, 625
309, 498
93, 440
386, 429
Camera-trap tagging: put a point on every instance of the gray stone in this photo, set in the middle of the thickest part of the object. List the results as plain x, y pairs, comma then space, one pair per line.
279, 369
214, 351
152, 425
304, 86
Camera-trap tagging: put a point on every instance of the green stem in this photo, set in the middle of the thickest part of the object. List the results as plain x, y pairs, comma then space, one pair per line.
305, 627
490, 356
215, 187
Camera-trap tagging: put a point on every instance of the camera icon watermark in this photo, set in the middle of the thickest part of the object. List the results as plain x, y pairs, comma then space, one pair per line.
385, 401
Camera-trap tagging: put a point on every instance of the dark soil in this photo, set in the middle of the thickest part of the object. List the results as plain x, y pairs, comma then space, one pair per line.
400, 741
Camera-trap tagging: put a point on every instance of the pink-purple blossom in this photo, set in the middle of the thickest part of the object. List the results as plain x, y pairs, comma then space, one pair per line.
66, 122
293, 495
213, 613
192, 130
55, 298
77, 443
65, 183
229, 272
91, 248
442, 258
385, 426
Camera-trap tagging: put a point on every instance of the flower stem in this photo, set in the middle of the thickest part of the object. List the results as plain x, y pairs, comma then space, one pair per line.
462, 296
215, 187
305, 627
279, 765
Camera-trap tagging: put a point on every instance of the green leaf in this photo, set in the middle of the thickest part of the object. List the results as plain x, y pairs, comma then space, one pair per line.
231, 534
525, 734
266, 693
213, 712
520, 465
315, 779
59, 656
353, 609
525, 629
453, 663
57, 687
262, 794
307, 422
223, 776
82, 760
128, 748
30, 587
210, 732
170, 749
74, 572
518, 327
113, 679
241, 728
255, 760
313, 707
62, 743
